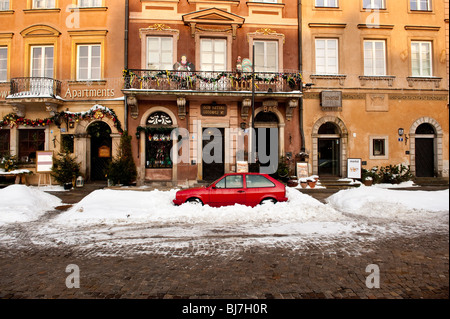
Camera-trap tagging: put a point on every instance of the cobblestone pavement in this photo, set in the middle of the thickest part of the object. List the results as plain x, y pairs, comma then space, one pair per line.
225, 266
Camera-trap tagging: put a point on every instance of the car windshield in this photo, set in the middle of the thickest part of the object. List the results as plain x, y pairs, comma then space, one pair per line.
215, 181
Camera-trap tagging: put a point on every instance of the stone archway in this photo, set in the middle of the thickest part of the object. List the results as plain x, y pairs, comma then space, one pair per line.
437, 144
82, 143
342, 136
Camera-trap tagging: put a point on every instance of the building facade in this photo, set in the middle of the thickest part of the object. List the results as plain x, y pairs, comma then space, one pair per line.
378, 77
61, 64
190, 67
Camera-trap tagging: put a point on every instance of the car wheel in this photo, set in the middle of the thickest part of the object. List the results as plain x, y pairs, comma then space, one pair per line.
194, 201
268, 200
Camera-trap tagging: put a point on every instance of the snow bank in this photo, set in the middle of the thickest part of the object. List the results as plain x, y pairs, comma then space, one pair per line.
401, 205
110, 206
19, 203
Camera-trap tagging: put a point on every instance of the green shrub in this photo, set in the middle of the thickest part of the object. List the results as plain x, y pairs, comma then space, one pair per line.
65, 168
122, 169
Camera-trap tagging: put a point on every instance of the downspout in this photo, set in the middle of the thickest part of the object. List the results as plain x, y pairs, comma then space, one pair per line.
126, 59
300, 67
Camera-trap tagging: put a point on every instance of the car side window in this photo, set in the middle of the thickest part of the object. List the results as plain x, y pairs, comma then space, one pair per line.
254, 181
231, 181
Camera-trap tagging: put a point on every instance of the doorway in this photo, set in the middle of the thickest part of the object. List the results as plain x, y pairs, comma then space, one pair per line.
213, 157
329, 154
425, 155
101, 146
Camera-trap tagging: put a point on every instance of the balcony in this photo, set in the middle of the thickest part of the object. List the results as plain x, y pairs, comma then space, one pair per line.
201, 82
35, 87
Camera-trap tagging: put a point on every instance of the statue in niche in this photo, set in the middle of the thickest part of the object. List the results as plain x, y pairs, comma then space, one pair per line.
183, 65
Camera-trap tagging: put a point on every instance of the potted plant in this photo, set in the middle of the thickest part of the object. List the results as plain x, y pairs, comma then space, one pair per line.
292, 182
368, 181
311, 182
303, 182
65, 170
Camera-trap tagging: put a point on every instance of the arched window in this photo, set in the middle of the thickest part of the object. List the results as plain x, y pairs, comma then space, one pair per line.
425, 128
159, 118
328, 128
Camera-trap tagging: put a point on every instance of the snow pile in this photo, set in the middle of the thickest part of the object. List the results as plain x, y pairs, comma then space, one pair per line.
111, 206
19, 203
396, 205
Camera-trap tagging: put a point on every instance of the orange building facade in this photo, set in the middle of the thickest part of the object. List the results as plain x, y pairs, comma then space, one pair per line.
378, 78
61, 79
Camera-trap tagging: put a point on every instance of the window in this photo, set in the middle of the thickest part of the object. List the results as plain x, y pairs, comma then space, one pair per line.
42, 61
3, 64
253, 181
327, 3
266, 56
421, 58
4, 142
89, 62
159, 53
89, 3
43, 4
213, 54
379, 147
30, 141
230, 181
4, 5
326, 56
158, 140
374, 57
420, 5
374, 4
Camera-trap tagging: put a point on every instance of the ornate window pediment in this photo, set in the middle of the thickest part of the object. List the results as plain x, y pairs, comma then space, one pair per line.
40, 30
213, 19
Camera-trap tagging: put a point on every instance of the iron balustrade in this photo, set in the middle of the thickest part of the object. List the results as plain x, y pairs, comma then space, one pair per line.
35, 87
217, 81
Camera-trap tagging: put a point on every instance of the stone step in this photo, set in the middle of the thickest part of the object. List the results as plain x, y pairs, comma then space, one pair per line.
431, 181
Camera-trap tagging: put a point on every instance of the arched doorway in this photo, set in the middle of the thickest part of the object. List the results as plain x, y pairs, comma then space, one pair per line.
101, 149
426, 138
425, 153
329, 147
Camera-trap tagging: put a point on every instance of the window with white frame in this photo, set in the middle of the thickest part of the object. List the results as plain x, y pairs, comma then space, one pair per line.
4, 5
159, 53
327, 56
421, 64
89, 3
43, 4
374, 4
327, 3
374, 57
213, 54
420, 5
3, 64
379, 147
89, 62
266, 56
42, 61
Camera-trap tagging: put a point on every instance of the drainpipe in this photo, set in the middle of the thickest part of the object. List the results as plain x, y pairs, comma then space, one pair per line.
126, 59
300, 66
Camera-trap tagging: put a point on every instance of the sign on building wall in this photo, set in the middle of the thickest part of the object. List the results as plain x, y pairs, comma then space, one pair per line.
354, 168
331, 98
214, 109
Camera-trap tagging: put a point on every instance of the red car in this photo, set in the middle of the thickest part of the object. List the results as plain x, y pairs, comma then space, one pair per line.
248, 189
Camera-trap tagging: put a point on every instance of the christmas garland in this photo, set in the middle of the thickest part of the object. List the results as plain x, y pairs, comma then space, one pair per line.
129, 76
95, 112
13, 119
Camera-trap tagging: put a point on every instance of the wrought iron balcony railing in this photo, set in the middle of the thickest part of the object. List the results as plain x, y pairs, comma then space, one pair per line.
35, 87
217, 81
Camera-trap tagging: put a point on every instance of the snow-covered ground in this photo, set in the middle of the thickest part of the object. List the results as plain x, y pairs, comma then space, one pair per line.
127, 218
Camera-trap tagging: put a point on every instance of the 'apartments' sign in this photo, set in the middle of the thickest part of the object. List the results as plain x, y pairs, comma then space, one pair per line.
89, 93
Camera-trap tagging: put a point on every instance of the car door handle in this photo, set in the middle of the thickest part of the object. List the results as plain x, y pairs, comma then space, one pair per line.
241, 191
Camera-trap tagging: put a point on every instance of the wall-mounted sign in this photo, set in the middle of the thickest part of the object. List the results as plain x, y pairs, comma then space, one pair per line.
104, 151
331, 98
214, 109
89, 93
44, 161
354, 168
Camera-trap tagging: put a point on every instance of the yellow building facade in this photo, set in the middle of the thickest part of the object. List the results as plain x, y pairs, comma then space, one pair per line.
61, 65
376, 76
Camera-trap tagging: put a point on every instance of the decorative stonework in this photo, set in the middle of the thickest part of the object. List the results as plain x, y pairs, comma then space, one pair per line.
364, 79
435, 81
181, 103
246, 105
